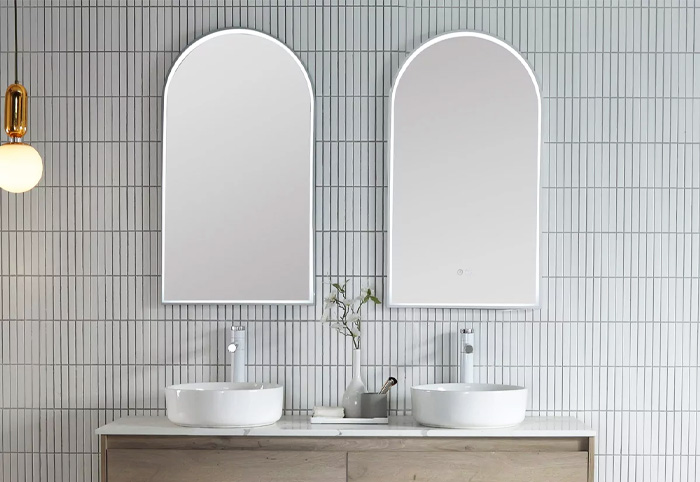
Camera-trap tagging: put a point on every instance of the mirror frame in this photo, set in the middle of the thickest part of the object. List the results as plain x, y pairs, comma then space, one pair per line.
191, 48
390, 202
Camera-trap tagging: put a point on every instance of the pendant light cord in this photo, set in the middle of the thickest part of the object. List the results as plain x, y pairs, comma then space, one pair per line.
16, 49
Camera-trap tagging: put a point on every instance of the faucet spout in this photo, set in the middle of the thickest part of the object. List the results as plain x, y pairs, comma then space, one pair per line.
466, 355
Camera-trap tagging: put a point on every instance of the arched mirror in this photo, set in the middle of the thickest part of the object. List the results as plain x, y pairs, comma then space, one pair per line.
464, 177
238, 173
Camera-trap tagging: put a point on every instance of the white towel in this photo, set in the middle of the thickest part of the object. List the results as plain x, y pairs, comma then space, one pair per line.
329, 412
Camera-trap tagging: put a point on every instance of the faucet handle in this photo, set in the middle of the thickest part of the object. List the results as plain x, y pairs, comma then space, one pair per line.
466, 340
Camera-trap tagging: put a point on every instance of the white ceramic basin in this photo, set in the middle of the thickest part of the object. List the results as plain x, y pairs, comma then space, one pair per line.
224, 404
468, 405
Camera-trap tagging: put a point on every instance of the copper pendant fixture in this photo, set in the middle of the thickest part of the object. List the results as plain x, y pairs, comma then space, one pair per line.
21, 166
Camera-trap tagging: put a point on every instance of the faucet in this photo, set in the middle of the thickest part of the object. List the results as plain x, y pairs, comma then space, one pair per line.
466, 355
237, 350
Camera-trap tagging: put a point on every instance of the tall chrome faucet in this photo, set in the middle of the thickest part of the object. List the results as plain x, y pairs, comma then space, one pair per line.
466, 355
237, 351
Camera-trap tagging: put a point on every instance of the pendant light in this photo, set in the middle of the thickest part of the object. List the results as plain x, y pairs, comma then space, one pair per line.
20, 164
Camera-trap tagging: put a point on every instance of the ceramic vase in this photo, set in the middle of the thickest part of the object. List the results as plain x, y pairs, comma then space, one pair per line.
352, 398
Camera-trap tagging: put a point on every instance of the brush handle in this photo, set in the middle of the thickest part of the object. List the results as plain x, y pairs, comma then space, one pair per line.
391, 381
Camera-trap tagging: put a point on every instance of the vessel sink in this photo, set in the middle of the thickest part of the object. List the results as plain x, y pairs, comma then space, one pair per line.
224, 404
468, 405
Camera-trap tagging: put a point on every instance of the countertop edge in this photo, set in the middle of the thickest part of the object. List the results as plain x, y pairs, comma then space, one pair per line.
299, 426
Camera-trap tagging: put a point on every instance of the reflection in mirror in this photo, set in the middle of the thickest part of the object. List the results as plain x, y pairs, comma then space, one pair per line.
237, 173
464, 177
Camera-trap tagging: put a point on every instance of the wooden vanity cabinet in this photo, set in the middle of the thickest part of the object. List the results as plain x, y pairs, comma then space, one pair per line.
137, 458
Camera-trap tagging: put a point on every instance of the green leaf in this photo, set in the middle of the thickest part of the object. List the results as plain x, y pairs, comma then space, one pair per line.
376, 300
341, 289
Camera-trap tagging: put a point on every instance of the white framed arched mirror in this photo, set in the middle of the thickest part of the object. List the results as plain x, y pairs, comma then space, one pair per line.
238, 173
464, 177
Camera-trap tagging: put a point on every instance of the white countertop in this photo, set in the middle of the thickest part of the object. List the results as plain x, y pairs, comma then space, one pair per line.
299, 426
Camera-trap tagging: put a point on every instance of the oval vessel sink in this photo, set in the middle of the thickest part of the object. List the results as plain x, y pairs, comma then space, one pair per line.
223, 404
469, 405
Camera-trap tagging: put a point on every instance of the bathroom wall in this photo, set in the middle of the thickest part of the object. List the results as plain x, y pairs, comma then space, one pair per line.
84, 338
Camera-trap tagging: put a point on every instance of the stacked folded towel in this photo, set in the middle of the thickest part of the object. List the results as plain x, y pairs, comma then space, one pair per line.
329, 412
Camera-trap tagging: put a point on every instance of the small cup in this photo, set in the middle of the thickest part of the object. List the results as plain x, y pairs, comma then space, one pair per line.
374, 405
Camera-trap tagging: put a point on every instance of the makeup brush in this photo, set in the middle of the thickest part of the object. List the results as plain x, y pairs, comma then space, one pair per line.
390, 382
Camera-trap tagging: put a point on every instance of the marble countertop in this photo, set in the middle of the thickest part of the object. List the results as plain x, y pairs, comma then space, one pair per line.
300, 426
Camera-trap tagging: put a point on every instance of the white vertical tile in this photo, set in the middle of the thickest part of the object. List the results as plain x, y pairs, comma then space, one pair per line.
84, 338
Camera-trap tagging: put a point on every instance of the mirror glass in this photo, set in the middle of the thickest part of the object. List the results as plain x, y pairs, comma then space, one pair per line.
237, 173
464, 177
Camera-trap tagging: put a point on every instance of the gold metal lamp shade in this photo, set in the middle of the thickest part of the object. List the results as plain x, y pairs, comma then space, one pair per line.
16, 111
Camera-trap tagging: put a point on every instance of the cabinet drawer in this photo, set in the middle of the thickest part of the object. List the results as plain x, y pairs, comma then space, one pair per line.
224, 466
475, 467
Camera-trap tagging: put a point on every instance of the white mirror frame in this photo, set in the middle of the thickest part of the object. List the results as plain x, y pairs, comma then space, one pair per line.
390, 295
310, 254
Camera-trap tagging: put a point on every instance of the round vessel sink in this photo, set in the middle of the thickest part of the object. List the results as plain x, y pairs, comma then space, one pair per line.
468, 405
223, 404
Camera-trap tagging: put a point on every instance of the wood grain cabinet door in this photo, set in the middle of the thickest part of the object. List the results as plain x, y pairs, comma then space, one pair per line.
141, 465
474, 467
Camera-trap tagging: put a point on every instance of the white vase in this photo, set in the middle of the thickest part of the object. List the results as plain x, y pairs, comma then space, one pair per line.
353, 393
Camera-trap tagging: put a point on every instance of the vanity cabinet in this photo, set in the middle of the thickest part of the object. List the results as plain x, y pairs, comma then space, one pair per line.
294, 450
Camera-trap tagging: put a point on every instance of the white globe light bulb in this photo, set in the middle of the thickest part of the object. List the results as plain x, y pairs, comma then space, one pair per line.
20, 167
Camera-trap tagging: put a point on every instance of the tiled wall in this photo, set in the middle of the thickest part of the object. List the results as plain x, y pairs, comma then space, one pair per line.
84, 339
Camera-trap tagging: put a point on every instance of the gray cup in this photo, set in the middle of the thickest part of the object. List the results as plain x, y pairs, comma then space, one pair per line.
374, 405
